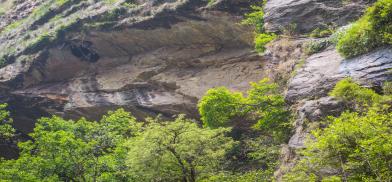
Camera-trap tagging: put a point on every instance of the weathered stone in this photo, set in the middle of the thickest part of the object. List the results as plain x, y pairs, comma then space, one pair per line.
313, 111
307, 15
317, 76
321, 72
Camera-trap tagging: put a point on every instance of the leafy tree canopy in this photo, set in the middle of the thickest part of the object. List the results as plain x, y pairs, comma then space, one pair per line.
354, 147
177, 151
62, 150
263, 104
6, 129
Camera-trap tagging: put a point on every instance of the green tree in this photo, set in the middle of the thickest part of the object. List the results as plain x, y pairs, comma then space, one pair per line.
218, 106
354, 147
6, 129
263, 105
177, 151
260, 121
62, 150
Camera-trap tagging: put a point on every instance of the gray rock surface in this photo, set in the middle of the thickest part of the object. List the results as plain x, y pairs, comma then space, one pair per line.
309, 14
321, 71
370, 69
317, 76
310, 113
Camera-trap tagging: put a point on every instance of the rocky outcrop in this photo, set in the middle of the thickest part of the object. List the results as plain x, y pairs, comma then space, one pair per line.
321, 71
306, 15
317, 76
309, 113
21, 10
308, 92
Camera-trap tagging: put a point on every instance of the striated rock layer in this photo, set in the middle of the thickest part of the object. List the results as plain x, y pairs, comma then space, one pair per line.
160, 60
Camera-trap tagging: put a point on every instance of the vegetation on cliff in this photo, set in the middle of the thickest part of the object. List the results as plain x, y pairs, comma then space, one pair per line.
354, 146
239, 135
256, 19
371, 31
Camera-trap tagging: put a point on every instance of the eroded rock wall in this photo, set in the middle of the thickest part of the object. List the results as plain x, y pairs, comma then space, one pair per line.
159, 62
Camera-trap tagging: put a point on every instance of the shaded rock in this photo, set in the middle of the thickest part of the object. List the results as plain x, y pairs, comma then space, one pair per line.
310, 112
371, 69
317, 77
310, 14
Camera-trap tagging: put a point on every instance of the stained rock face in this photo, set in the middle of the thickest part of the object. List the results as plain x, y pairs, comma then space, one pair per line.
306, 15
321, 72
317, 76
161, 64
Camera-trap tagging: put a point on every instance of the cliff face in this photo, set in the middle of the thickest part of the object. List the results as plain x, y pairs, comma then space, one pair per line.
158, 57
82, 58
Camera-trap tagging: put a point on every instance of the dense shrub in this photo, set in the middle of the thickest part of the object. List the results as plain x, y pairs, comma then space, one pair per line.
255, 18
218, 106
355, 95
320, 33
373, 30
264, 105
260, 122
118, 148
316, 46
62, 150
354, 147
387, 88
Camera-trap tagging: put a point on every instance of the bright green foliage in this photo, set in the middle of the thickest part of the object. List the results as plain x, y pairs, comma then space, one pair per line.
73, 150
218, 106
355, 95
261, 125
356, 147
177, 151
256, 19
264, 105
261, 40
360, 38
6, 129
373, 30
